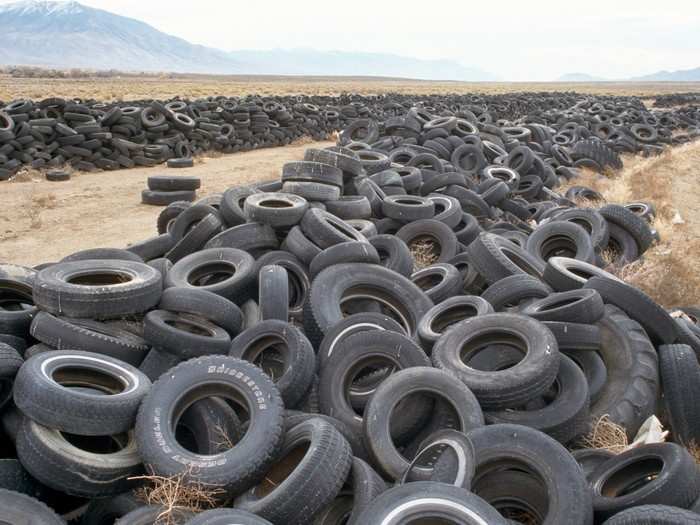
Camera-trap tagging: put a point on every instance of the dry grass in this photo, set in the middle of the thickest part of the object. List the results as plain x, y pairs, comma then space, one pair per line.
176, 494
192, 86
694, 450
424, 254
607, 435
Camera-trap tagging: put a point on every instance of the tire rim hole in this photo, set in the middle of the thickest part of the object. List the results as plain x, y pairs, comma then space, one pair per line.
183, 324
211, 273
97, 444
15, 298
631, 478
275, 204
281, 470
87, 377
99, 278
474, 353
558, 246
267, 353
452, 315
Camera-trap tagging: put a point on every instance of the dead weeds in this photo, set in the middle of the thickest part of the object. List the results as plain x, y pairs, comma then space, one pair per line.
607, 435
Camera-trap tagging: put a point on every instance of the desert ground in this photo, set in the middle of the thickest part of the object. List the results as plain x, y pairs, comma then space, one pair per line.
193, 86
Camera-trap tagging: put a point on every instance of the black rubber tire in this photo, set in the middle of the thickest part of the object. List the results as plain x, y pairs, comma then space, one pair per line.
622, 247
430, 230
226, 517
20, 509
637, 227
157, 362
593, 367
310, 485
232, 203
173, 182
300, 245
582, 306
205, 304
510, 291
147, 515
165, 198
347, 161
107, 511
195, 238
273, 293
377, 415
408, 208
13, 476
131, 288
190, 271
668, 473
251, 237
561, 238
393, 254
654, 515
152, 248
680, 384
630, 392
297, 275
185, 335
345, 252
16, 283
429, 499
575, 336
89, 336
366, 485
323, 310
509, 388
591, 221
40, 396
10, 362
185, 162
657, 322
439, 281
590, 459
325, 229
559, 478
283, 352
54, 461
447, 313
166, 218
350, 207
496, 258
279, 210
564, 415
564, 274
377, 348
102, 254
238, 468
308, 171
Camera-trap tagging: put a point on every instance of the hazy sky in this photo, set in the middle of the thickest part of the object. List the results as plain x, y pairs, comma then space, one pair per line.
514, 39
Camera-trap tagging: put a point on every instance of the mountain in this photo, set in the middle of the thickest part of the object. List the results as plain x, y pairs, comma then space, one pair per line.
579, 77
683, 75
71, 35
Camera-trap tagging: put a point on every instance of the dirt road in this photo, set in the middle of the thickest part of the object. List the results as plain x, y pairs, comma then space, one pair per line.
44, 221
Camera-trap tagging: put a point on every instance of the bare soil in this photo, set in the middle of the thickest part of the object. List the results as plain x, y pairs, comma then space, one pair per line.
43, 221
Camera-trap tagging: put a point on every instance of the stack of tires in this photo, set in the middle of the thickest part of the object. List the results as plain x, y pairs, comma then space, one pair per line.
374, 338
165, 189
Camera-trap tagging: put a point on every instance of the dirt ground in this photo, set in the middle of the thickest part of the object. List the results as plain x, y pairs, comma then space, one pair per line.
149, 87
43, 221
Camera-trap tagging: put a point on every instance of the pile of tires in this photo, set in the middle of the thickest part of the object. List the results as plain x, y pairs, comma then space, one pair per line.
166, 189
385, 334
90, 135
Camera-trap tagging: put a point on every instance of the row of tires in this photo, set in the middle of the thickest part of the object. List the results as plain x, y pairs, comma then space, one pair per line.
91, 135
373, 338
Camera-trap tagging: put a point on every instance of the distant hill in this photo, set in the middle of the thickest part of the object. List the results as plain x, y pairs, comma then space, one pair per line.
579, 77
684, 75
71, 35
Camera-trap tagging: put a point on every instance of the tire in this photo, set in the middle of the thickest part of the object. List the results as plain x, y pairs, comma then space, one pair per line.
397, 294
564, 274
314, 172
232, 204
345, 252
18, 509
157, 362
173, 183
57, 176
530, 454
297, 276
153, 248
426, 500
350, 207
10, 362
195, 238
13, 476
438, 281
583, 306
447, 209
598, 152
671, 476
347, 162
680, 382
147, 515
393, 254
312, 191
276, 209
496, 258
273, 293
511, 291
39, 395
101, 511
326, 230
509, 388
575, 336
408, 208
165, 198
184, 335
16, 283
102, 254
339, 373
439, 234
167, 217
89, 336
446, 314
283, 352
398, 386
209, 426
591, 458
104, 289
250, 237
313, 482
240, 467
630, 392
564, 415
634, 225
54, 461
621, 246
561, 239
193, 270
300, 245
210, 306
654, 515
658, 324
180, 163
226, 517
